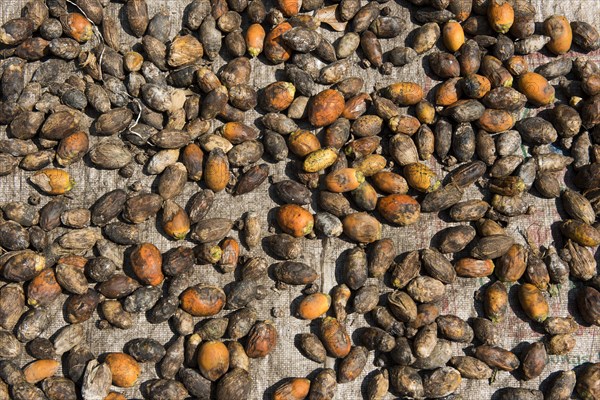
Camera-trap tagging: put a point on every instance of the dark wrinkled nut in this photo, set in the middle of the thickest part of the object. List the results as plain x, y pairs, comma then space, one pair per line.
352, 365
520, 394
33, 324
71, 278
406, 381
442, 382
405, 271
142, 299
41, 349
471, 368
377, 339
381, 256
497, 357
402, 306
455, 329
588, 302
312, 347
146, 350
323, 385
235, 384
402, 353
79, 308
142, 207
118, 286
163, 309
492, 247
437, 266
562, 386
244, 292
455, 239
167, 388
67, 338
213, 328
425, 340
195, 383
56, 387
534, 360
425, 289
292, 192
10, 347
442, 199
100, 269
284, 246
485, 331
172, 360
97, 377
561, 344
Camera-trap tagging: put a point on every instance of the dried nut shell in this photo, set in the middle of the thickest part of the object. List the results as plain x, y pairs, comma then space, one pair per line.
585, 35
404, 93
587, 381
453, 36
399, 209
537, 89
292, 389
362, 228
406, 381
313, 306
40, 370
492, 246
262, 339
404, 272
294, 273
588, 304
497, 357
213, 360
420, 177
184, 50
325, 107
237, 383
533, 302
312, 347
471, 368
562, 386
580, 232
444, 65
275, 50
53, 181
335, 338
284, 246
202, 301
146, 262
557, 27
442, 382
501, 15
426, 37
453, 328
125, 370
455, 239
353, 364
403, 150
137, 16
